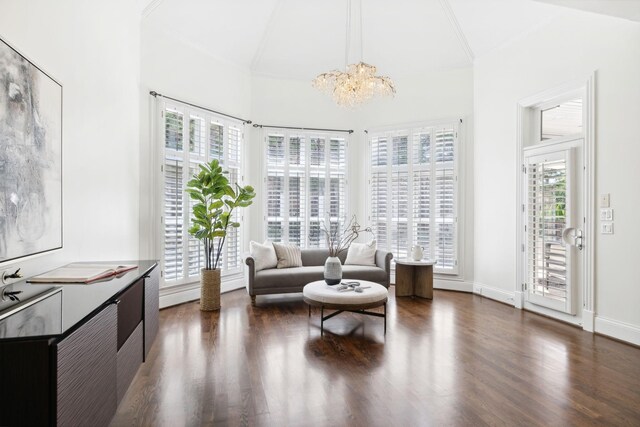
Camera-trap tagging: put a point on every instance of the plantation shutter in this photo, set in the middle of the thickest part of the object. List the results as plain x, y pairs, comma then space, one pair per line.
421, 233
379, 190
445, 209
317, 191
193, 137
413, 193
275, 187
305, 185
173, 195
297, 230
232, 247
197, 156
547, 257
400, 196
337, 183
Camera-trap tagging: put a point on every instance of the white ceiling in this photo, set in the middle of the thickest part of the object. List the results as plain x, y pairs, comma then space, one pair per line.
627, 9
297, 39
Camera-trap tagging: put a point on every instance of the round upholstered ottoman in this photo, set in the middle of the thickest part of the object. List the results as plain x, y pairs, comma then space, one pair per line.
319, 294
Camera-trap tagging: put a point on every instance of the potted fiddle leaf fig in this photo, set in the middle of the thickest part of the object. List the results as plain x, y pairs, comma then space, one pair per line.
216, 199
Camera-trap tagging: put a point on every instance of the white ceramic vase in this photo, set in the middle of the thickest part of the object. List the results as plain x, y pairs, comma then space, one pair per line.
332, 270
417, 252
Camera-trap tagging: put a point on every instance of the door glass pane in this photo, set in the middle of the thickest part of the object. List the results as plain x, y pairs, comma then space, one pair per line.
547, 258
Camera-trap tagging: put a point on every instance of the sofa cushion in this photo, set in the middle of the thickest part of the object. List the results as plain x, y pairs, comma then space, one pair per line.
263, 254
319, 256
364, 272
288, 255
362, 254
295, 277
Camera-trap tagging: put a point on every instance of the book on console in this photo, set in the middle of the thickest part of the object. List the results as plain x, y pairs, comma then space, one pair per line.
79, 272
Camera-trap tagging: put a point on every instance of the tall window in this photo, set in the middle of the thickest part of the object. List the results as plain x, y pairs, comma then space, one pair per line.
413, 192
305, 186
193, 137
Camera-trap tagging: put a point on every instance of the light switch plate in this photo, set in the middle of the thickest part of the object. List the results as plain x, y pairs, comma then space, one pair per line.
606, 214
606, 228
605, 200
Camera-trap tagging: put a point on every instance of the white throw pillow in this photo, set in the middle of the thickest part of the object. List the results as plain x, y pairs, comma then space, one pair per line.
362, 254
288, 255
264, 255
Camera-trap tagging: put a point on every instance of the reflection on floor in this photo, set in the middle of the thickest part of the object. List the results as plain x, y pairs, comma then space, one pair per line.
457, 360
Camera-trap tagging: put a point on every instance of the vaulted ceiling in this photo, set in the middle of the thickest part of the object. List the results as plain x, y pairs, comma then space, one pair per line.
297, 39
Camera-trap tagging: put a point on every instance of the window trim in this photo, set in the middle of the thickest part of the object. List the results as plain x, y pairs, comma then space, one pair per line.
457, 273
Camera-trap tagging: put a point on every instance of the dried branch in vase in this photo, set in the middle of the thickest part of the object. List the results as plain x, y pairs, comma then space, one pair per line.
340, 240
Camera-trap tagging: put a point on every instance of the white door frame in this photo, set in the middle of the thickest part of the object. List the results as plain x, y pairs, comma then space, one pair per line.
525, 123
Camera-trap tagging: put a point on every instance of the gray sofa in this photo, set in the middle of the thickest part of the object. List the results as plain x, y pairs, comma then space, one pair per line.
287, 280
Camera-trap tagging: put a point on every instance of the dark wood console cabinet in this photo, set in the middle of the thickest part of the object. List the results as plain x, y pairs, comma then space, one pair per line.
80, 376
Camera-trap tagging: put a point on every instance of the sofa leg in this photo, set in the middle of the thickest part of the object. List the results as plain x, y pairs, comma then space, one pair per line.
253, 300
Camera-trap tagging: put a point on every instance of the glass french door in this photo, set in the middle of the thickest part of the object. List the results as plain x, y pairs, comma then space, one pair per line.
553, 235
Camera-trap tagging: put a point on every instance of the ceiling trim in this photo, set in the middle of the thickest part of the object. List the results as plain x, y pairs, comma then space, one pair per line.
257, 56
464, 43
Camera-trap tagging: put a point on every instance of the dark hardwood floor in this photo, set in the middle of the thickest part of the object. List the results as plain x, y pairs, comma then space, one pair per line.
457, 360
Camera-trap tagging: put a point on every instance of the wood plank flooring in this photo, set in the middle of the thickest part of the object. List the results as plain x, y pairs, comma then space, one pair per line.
457, 360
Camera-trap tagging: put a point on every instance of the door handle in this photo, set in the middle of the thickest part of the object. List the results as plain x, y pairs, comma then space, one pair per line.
573, 236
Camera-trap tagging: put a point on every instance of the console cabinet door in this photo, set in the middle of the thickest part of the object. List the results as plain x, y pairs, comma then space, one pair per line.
151, 308
86, 372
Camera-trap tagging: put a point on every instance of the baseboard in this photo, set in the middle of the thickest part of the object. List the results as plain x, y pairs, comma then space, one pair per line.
518, 299
191, 292
494, 293
618, 330
452, 285
588, 320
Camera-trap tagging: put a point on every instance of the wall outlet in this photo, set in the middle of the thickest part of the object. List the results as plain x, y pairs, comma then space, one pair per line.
604, 200
606, 228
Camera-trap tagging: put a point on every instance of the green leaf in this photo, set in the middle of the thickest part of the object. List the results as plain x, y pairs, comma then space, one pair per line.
196, 195
216, 205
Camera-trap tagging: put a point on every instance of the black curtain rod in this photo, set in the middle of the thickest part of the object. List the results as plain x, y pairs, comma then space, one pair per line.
297, 128
244, 121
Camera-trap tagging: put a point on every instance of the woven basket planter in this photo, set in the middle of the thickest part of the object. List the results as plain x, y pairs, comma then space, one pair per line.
209, 290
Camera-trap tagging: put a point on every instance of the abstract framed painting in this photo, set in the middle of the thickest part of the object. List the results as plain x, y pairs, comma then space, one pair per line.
30, 158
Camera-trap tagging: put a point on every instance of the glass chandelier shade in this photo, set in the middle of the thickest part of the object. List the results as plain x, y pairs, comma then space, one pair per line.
355, 86
359, 82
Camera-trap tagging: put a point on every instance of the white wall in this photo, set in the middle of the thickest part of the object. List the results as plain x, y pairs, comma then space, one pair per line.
562, 51
92, 49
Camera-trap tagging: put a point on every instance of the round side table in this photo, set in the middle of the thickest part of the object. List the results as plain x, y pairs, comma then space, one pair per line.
414, 278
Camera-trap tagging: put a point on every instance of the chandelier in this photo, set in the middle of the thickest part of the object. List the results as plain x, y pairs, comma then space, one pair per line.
359, 82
